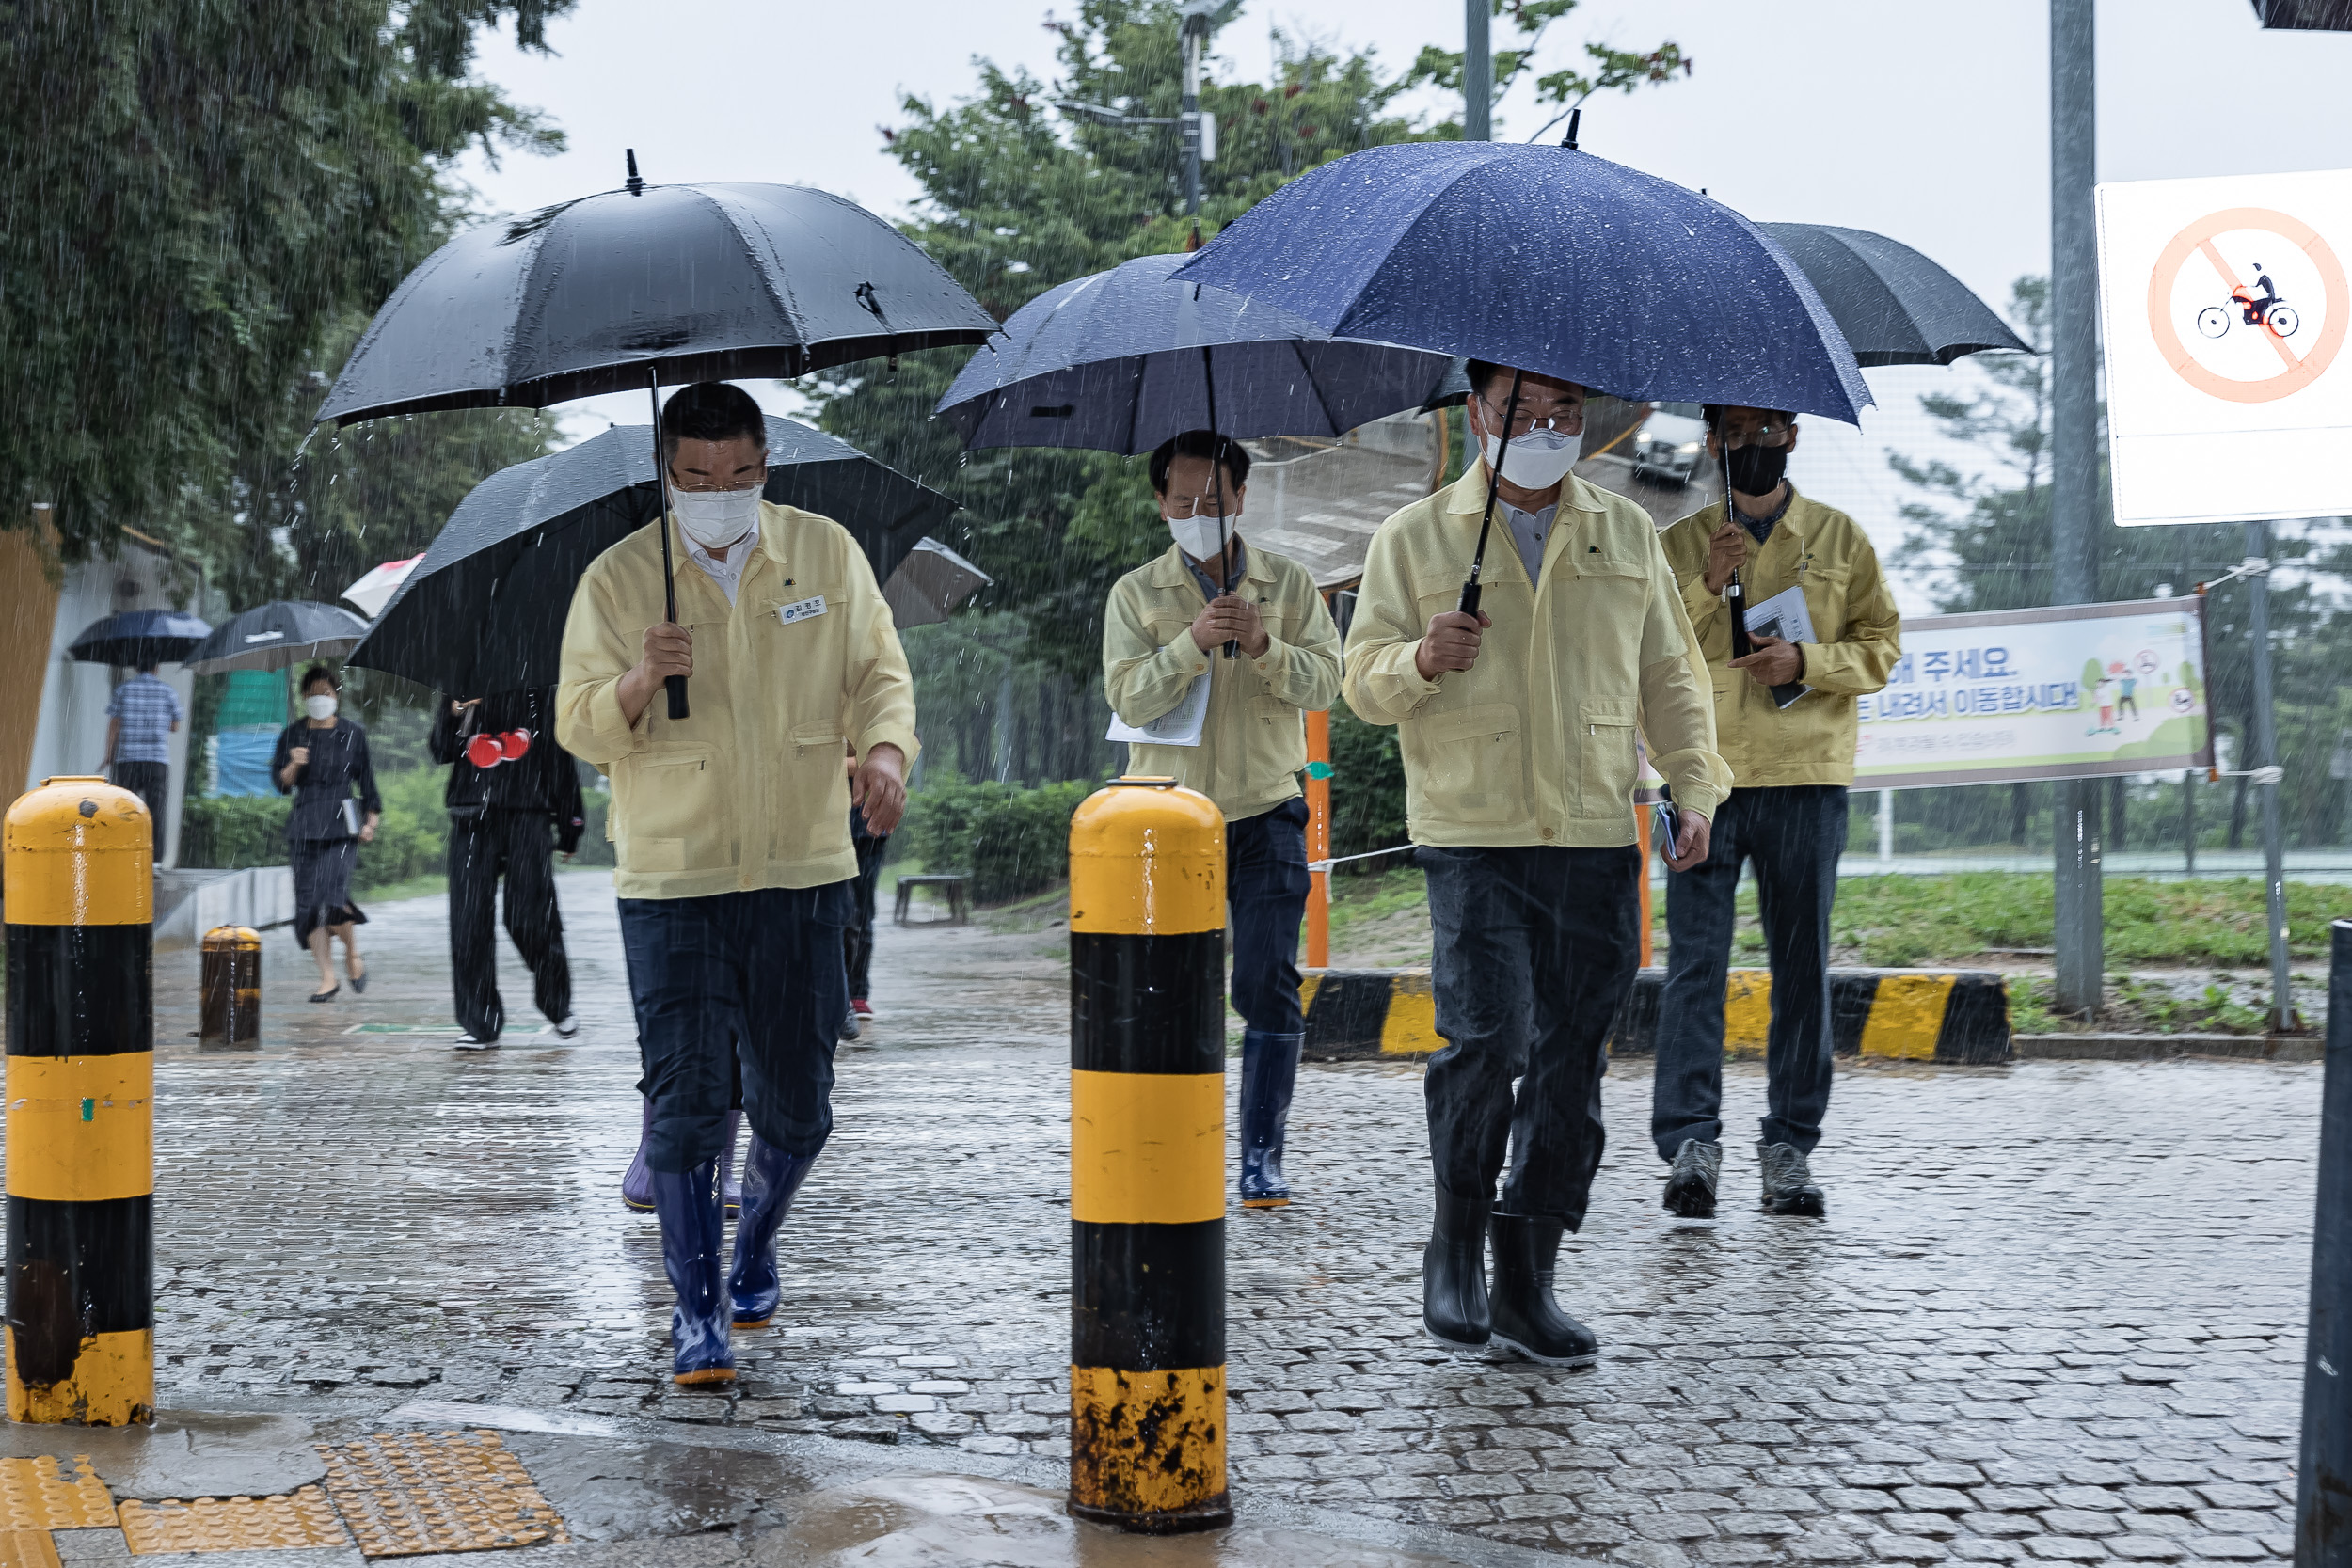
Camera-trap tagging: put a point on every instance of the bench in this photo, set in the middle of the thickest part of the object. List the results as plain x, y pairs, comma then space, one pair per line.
951, 885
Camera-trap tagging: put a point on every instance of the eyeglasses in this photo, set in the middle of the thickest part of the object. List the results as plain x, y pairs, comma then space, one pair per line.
1181, 507
1767, 432
1567, 421
703, 486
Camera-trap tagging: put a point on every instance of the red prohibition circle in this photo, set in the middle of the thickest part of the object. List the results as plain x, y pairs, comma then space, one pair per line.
2198, 238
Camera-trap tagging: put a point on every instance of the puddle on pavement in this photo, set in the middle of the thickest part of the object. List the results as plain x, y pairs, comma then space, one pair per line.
936, 1521
623, 1490
185, 1454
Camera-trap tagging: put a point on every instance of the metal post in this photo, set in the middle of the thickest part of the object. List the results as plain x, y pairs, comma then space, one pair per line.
2188, 820
229, 1003
1886, 826
78, 885
1195, 34
1147, 1159
2074, 463
1319, 838
2323, 1488
1478, 71
2267, 760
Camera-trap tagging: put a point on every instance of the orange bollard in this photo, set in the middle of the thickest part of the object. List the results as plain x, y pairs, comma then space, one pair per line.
229, 998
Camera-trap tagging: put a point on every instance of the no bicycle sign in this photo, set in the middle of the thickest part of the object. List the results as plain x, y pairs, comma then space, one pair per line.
2225, 307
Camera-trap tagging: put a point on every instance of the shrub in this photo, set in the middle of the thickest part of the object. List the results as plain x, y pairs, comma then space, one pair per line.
1010, 841
1367, 792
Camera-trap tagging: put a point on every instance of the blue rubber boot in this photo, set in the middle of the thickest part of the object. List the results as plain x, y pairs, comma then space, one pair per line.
730, 1178
1269, 1070
692, 1232
637, 1182
770, 1176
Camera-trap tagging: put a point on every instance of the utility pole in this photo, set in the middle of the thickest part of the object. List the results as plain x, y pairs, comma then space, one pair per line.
1196, 38
1478, 71
2074, 463
2264, 763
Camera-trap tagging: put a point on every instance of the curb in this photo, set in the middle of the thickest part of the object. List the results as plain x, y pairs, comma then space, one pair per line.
1932, 1014
2166, 1048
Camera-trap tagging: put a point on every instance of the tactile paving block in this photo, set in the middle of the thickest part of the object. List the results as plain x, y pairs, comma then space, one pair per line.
404, 1493
27, 1548
305, 1517
41, 1494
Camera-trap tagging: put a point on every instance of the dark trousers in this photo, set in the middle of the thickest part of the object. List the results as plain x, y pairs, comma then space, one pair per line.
754, 977
1793, 837
152, 783
481, 849
858, 941
1534, 951
1266, 888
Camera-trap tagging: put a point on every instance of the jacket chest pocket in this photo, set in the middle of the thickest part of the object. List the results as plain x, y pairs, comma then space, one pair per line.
1826, 602
1469, 762
1605, 756
1164, 626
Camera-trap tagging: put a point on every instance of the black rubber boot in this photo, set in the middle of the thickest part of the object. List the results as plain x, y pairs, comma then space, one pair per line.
1453, 1274
1526, 1318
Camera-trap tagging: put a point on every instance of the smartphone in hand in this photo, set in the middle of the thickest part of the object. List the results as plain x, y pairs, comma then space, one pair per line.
1665, 826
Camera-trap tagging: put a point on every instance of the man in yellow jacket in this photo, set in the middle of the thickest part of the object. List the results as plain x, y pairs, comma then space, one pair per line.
1518, 725
732, 833
1162, 633
1785, 720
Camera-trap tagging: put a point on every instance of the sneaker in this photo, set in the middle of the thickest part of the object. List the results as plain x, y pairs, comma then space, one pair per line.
848, 1024
470, 1042
1691, 1184
858, 1006
569, 1028
1788, 1187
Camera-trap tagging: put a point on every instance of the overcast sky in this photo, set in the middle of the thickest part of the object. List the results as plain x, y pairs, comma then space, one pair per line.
1928, 123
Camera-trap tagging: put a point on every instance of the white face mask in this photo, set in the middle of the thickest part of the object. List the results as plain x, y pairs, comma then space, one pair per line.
319, 707
1201, 538
715, 518
1537, 460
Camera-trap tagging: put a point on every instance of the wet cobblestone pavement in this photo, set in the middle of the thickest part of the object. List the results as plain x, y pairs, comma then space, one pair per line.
2054, 1314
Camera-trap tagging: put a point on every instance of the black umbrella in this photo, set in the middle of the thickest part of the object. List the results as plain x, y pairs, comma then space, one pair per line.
138, 638
276, 635
646, 285
1893, 304
483, 611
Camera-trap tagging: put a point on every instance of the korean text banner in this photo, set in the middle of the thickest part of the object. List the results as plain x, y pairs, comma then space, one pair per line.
2224, 307
2065, 692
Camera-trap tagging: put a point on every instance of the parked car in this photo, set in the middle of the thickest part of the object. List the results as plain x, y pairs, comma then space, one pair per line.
1670, 443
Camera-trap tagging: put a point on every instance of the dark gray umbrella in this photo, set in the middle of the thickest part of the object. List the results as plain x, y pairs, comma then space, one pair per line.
2317, 16
647, 285
138, 638
1114, 363
483, 610
276, 635
1893, 304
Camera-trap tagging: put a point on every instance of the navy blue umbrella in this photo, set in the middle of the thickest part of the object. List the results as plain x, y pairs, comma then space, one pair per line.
138, 638
1547, 259
483, 610
1115, 362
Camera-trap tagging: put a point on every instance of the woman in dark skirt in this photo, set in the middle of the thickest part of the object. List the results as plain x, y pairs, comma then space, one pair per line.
320, 757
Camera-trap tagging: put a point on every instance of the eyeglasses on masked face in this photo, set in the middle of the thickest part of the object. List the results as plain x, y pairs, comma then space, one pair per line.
1567, 417
1773, 430
1181, 507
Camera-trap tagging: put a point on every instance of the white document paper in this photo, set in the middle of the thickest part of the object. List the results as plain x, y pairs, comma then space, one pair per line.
1179, 726
1785, 616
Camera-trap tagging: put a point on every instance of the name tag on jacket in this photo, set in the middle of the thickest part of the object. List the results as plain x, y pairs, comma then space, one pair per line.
804, 610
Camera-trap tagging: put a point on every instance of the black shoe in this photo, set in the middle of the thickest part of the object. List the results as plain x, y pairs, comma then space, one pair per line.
1526, 1318
1788, 1187
327, 995
1691, 1185
1453, 1274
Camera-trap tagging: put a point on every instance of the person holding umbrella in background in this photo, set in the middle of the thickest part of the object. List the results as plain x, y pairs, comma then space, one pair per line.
141, 717
509, 782
1162, 631
320, 759
857, 944
1785, 720
1517, 721
731, 829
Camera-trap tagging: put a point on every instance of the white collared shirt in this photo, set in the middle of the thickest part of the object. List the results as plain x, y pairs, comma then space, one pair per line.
727, 574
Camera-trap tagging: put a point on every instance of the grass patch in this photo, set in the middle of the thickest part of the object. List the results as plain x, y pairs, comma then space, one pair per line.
1896, 922
1357, 900
414, 887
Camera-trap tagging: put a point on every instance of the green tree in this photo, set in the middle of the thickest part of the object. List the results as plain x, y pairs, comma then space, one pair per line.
1610, 70
200, 197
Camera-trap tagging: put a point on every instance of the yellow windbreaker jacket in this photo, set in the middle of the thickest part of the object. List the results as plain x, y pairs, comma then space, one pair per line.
1860, 635
749, 791
1535, 745
1253, 741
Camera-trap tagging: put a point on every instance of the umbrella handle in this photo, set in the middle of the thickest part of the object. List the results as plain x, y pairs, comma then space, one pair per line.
673, 685
1471, 592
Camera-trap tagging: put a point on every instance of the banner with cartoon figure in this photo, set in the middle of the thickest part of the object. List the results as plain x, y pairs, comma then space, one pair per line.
2066, 692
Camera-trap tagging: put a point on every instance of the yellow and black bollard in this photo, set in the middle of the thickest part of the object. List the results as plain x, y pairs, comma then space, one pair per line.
1147, 1159
78, 892
230, 999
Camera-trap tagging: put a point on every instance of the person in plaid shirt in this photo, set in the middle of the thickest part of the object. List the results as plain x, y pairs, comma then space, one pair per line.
140, 718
